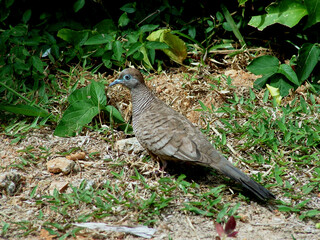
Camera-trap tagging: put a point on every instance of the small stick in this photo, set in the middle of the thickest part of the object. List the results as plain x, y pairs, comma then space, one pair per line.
155, 12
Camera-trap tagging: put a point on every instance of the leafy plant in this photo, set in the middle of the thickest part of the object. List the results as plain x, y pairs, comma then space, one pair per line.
228, 230
288, 13
85, 104
284, 76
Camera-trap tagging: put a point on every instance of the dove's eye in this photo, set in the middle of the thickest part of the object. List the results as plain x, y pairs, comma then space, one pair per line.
127, 77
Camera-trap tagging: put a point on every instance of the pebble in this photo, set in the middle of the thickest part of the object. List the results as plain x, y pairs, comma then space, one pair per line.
60, 164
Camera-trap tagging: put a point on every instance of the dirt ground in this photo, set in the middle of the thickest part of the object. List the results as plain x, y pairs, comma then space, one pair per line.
182, 92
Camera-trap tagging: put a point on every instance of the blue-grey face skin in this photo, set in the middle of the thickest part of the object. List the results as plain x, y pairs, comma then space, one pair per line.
115, 82
126, 78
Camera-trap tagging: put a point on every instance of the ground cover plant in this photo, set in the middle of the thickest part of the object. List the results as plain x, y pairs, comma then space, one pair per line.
55, 66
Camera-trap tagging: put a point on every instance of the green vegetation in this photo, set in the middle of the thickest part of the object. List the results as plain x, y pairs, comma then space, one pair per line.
53, 67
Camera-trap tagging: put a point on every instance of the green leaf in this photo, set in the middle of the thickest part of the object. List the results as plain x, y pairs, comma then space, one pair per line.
26, 16
106, 26
115, 113
286, 12
311, 213
74, 37
156, 45
27, 110
129, 7
19, 30
97, 93
99, 39
38, 64
264, 65
261, 82
232, 25
133, 48
33, 192
313, 7
85, 104
177, 50
148, 28
123, 20
307, 60
289, 73
117, 50
279, 81
283, 208
75, 117
78, 5
146, 60
93, 93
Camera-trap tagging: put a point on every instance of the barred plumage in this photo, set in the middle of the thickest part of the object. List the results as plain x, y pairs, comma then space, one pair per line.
169, 135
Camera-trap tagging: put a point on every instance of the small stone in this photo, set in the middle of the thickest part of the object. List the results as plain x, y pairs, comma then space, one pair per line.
129, 145
60, 164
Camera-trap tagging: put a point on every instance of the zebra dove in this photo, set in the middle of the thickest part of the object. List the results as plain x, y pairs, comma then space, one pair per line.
168, 135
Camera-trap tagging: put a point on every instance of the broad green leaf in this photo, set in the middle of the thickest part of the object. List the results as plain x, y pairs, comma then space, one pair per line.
156, 45
313, 7
115, 113
286, 12
129, 7
106, 26
289, 73
307, 60
78, 5
19, 30
264, 65
261, 82
93, 93
38, 64
27, 110
79, 95
133, 48
97, 94
177, 50
155, 36
75, 117
146, 60
117, 50
123, 20
148, 28
279, 81
99, 39
73, 37
26, 16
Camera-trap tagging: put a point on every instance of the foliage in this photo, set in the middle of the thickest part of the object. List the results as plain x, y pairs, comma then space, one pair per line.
284, 76
288, 13
228, 231
85, 104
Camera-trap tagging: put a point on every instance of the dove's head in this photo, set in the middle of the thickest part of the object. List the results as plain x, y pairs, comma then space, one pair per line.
130, 78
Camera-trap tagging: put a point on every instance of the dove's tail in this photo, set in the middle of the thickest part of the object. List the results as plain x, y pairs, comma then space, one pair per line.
254, 187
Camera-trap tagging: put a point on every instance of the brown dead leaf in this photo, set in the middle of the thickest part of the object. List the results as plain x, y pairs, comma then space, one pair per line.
45, 235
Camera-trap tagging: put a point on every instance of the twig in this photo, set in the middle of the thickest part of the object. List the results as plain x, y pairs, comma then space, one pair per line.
155, 12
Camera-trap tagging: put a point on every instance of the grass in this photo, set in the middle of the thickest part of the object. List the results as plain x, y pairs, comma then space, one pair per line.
283, 139
278, 144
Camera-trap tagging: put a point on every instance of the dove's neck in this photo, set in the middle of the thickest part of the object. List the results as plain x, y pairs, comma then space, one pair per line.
142, 99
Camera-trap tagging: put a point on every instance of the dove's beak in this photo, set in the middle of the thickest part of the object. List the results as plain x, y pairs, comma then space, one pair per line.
117, 81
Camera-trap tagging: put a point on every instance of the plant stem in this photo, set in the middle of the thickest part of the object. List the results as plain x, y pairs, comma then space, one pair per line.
14, 92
